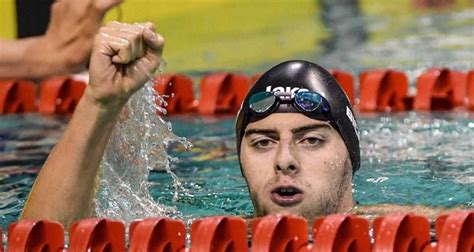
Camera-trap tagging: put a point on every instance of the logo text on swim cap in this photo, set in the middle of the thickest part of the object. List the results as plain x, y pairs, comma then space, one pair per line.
285, 89
353, 121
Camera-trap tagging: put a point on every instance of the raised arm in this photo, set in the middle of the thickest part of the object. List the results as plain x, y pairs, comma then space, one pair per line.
123, 58
63, 49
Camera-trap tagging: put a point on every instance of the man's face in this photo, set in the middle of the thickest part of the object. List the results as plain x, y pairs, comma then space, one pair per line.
295, 164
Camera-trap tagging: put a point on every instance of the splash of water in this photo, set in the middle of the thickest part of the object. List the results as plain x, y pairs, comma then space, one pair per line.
137, 145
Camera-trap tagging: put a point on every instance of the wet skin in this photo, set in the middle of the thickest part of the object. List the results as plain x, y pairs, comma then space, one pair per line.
298, 165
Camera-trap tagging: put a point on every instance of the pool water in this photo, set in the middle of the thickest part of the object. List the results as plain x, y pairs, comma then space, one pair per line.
407, 158
25, 142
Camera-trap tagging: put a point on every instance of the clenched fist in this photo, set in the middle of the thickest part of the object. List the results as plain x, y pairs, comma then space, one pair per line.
124, 57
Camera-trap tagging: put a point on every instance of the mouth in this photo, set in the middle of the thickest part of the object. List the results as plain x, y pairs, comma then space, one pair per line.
287, 196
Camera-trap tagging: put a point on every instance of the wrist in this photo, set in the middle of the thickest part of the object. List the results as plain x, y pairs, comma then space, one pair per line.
108, 106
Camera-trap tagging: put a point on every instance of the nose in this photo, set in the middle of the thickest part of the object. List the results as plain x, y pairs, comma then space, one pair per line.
285, 160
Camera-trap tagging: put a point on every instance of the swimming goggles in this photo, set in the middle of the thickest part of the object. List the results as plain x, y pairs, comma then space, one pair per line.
264, 103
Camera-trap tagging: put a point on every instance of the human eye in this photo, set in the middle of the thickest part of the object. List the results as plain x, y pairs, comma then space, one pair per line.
262, 143
312, 141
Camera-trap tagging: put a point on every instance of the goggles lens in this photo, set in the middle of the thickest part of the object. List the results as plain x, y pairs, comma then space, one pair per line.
306, 101
261, 102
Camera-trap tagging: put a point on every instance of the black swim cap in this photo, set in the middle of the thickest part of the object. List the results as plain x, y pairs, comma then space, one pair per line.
298, 74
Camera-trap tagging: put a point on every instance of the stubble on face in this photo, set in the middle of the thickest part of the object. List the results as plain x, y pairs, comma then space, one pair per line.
323, 173
328, 202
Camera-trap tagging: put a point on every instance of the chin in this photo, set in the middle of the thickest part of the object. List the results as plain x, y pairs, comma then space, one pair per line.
295, 210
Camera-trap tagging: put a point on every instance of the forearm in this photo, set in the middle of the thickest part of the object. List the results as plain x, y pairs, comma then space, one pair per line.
64, 189
40, 57
16, 58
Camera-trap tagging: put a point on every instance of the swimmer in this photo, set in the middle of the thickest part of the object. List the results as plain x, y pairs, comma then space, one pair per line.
297, 137
298, 142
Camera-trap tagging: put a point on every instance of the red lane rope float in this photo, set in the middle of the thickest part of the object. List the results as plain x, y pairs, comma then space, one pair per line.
17, 96
178, 91
158, 235
470, 90
60, 95
35, 236
346, 80
97, 235
401, 232
279, 233
440, 89
396, 232
455, 232
383, 90
222, 93
219, 234
341, 233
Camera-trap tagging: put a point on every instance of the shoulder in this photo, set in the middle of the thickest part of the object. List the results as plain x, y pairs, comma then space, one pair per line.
372, 211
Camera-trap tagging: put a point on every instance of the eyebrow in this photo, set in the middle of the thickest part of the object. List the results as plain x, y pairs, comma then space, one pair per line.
298, 130
260, 131
311, 127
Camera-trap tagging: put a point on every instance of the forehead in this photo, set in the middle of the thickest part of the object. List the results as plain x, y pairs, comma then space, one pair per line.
286, 121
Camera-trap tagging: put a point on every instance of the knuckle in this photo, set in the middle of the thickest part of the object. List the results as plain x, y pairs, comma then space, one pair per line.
150, 25
160, 39
137, 28
113, 24
135, 37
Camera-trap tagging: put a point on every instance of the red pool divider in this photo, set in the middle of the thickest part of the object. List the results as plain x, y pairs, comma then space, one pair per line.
97, 235
341, 233
455, 232
222, 93
35, 236
383, 90
219, 234
60, 95
178, 90
440, 89
158, 235
278, 233
401, 232
346, 80
470, 90
398, 232
17, 96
